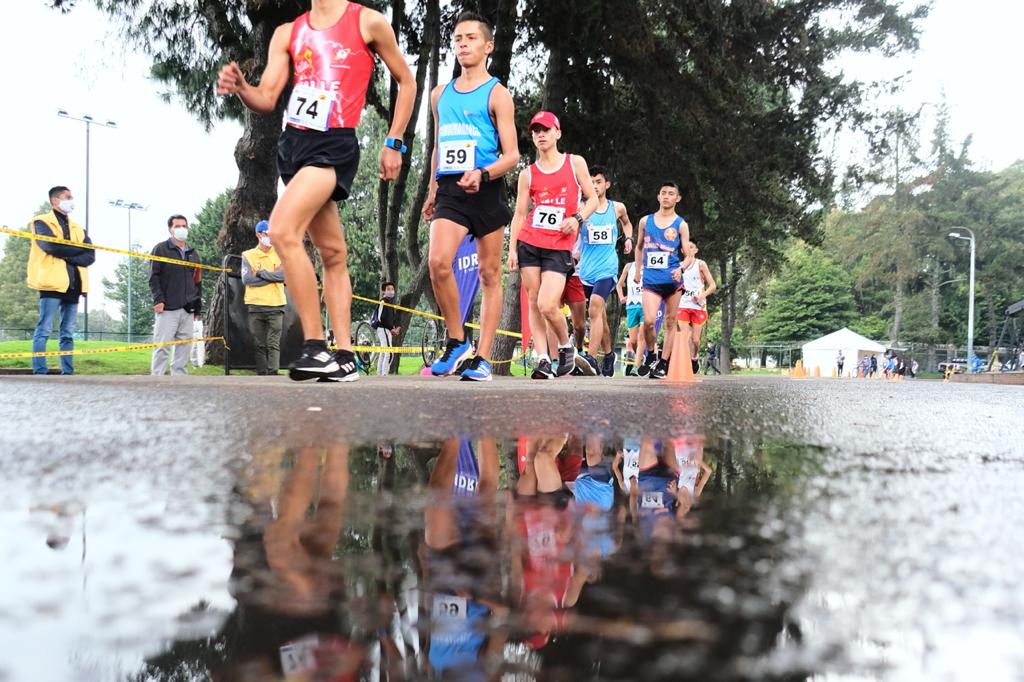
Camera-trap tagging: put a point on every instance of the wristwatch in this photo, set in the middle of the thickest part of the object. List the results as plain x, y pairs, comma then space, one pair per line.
396, 144
485, 175
579, 219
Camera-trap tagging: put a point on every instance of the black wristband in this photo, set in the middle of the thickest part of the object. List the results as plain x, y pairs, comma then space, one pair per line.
579, 219
485, 175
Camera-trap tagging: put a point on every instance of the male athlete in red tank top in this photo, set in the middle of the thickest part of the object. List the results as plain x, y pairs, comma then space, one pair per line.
327, 54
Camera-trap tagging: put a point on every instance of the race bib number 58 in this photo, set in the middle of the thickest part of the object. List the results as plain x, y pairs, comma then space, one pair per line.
657, 260
599, 234
310, 107
548, 217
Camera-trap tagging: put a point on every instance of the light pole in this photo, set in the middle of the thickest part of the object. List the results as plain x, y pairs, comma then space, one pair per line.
89, 121
970, 301
130, 206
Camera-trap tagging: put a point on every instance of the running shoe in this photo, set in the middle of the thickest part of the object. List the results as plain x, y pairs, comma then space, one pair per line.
630, 370
650, 360
478, 370
695, 364
608, 365
315, 361
454, 353
586, 365
348, 369
543, 370
660, 370
566, 361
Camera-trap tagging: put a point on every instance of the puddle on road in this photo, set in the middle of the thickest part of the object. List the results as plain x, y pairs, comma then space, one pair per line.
549, 557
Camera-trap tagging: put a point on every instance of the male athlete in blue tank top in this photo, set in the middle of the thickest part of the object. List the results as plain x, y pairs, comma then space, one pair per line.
475, 146
599, 267
661, 237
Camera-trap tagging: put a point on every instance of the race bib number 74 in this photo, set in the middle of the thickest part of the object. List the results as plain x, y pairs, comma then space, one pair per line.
310, 107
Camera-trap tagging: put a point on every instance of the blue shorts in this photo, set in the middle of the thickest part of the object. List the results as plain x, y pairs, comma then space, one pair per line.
602, 287
634, 316
665, 291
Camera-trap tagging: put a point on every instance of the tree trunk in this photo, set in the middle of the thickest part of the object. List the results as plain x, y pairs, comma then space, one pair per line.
728, 272
505, 346
993, 324
933, 321
256, 192
897, 309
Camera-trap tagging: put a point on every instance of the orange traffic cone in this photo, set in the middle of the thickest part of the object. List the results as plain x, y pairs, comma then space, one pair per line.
679, 365
835, 375
798, 370
817, 371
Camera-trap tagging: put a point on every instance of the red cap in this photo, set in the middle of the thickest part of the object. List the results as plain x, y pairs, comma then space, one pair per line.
544, 119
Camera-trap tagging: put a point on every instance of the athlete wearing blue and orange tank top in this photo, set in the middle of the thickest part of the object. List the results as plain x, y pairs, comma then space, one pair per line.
659, 242
475, 146
547, 220
327, 54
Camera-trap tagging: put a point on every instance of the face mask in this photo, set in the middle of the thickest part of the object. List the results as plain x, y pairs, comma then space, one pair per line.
180, 233
66, 205
265, 241
389, 294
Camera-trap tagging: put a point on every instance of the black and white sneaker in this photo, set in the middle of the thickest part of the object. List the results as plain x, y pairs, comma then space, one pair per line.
543, 370
347, 368
608, 365
566, 361
650, 360
315, 362
660, 370
586, 364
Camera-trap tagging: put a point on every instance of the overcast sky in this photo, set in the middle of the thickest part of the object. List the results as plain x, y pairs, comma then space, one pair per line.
160, 157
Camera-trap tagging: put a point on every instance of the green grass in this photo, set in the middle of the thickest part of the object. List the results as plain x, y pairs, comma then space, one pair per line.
122, 363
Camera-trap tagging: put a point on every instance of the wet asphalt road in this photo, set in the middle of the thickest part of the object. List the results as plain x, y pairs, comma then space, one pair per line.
905, 532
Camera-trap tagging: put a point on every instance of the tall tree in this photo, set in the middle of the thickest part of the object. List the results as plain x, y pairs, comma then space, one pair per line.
141, 298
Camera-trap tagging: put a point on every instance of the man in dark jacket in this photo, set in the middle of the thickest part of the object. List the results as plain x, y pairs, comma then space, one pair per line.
177, 297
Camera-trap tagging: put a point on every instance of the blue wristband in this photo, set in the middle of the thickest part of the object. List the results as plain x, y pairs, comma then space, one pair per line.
396, 144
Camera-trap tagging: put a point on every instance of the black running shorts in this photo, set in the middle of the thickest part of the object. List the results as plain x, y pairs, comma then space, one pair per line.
548, 260
481, 213
336, 148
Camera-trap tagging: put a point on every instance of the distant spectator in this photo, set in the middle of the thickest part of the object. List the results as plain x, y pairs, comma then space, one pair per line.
385, 320
712, 359
840, 359
873, 369
263, 277
177, 297
913, 368
58, 273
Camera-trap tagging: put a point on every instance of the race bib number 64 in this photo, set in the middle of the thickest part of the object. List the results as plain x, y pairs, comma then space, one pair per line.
310, 107
657, 260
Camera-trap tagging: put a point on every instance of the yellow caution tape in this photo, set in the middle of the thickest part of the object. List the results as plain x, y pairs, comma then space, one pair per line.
96, 351
386, 349
97, 247
516, 335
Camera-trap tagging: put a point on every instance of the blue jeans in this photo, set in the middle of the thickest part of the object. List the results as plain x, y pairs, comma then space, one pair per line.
68, 313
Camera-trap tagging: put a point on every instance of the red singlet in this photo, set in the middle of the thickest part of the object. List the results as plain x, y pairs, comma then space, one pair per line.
335, 59
559, 190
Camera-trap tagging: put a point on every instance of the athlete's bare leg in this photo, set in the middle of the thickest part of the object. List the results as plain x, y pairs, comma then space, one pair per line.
651, 302
578, 309
489, 250
598, 325
530, 278
445, 238
306, 195
671, 304
549, 305
327, 235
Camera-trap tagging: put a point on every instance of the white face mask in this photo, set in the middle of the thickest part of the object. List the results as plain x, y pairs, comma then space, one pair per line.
265, 241
180, 233
66, 205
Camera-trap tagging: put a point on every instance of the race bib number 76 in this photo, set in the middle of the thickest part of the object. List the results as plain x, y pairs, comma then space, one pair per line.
548, 217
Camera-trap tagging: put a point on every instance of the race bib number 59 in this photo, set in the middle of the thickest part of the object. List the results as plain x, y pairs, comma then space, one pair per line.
457, 157
657, 260
310, 107
548, 217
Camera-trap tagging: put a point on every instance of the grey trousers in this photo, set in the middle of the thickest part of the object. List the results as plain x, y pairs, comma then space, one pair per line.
172, 325
265, 327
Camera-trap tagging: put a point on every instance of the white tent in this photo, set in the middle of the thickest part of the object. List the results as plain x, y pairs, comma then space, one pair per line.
823, 353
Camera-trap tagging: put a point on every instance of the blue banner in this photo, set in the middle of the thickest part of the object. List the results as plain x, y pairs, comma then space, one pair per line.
467, 276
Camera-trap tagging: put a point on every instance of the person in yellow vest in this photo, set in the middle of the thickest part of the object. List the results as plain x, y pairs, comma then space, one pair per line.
58, 273
263, 277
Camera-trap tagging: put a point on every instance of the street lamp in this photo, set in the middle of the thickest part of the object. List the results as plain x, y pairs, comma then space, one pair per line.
89, 121
129, 206
970, 301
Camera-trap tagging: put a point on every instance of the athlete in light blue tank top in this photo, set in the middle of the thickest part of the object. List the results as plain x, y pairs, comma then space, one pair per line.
598, 259
466, 135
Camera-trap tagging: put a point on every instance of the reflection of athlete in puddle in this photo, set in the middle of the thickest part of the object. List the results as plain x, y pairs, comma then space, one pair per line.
654, 491
694, 473
290, 618
460, 560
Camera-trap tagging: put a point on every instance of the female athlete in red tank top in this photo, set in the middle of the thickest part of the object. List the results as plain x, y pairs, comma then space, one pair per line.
554, 195
335, 60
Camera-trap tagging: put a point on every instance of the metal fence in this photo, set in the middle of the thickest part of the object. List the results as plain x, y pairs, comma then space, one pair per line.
930, 357
25, 334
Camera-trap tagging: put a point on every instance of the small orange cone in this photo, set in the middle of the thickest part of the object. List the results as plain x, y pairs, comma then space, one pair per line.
834, 375
679, 367
817, 371
798, 370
